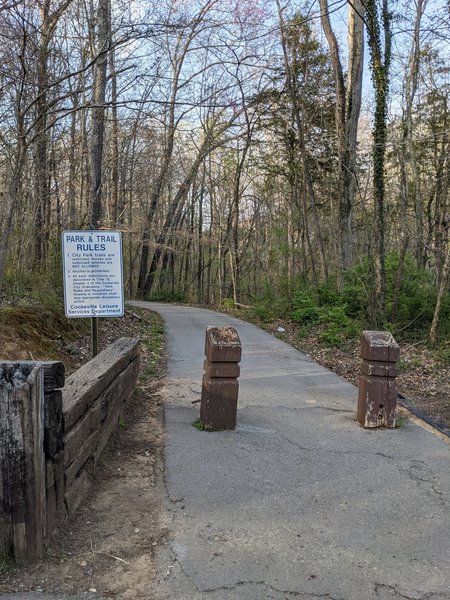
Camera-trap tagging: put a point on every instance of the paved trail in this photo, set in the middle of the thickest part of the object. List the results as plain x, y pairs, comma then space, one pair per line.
299, 501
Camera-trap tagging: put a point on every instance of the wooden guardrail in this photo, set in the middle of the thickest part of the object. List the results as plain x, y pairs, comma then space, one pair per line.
50, 429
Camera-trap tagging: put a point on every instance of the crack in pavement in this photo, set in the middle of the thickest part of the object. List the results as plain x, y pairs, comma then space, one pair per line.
279, 407
234, 586
418, 595
421, 473
291, 593
341, 452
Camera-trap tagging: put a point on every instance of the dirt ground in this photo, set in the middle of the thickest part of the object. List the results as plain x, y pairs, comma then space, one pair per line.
108, 546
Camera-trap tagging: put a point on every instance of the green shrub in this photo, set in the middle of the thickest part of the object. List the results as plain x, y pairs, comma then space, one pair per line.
6, 562
228, 303
328, 294
416, 298
332, 335
305, 309
266, 311
355, 298
443, 354
338, 325
167, 296
271, 305
342, 314
417, 293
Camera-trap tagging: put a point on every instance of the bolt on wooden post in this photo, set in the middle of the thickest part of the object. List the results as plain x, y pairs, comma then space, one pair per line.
220, 386
377, 397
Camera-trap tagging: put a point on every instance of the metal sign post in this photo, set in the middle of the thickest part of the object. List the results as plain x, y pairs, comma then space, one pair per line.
93, 276
94, 336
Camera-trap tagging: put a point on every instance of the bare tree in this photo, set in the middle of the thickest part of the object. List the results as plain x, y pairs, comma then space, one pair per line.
348, 106
183, 41
408, 158
49, 15
308, 189
14, 136
102, 28
213, 138
440, 295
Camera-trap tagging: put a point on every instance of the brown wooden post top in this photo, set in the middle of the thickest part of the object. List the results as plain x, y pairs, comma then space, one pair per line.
379, 346
222, 344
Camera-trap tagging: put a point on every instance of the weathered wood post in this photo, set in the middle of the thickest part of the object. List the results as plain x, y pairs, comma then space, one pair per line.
54, 379
22, 479
377, 397
220, 386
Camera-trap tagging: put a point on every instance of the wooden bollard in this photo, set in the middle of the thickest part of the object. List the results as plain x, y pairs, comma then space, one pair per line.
377, 397
22, 479
220, 386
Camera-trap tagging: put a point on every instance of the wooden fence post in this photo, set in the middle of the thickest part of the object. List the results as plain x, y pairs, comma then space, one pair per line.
220, 386
22, 468
377, 395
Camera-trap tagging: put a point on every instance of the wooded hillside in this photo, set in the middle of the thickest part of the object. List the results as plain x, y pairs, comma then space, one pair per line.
287, 155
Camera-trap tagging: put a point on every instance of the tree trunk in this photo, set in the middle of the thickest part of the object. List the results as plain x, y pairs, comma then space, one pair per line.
440, 296
13, 192
98, 114
380, 65
179, 198
348, 106
114, 208
41, 147
296, 113
200, 258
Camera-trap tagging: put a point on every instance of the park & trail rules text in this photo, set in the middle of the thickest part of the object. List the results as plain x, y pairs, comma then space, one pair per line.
93, 273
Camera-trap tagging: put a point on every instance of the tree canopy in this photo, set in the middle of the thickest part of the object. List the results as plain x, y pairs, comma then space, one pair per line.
245, 148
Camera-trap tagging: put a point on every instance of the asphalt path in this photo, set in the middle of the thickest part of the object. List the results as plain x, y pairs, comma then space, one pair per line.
298, 501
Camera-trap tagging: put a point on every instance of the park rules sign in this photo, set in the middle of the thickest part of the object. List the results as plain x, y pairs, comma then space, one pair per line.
93, 273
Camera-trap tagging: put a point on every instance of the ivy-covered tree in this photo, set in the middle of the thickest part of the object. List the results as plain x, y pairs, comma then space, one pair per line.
379, 31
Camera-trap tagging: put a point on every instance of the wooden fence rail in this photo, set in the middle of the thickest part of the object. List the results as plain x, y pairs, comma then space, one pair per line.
48, 435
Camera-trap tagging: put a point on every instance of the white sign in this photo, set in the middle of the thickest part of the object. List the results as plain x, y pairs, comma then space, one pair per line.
93, 273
